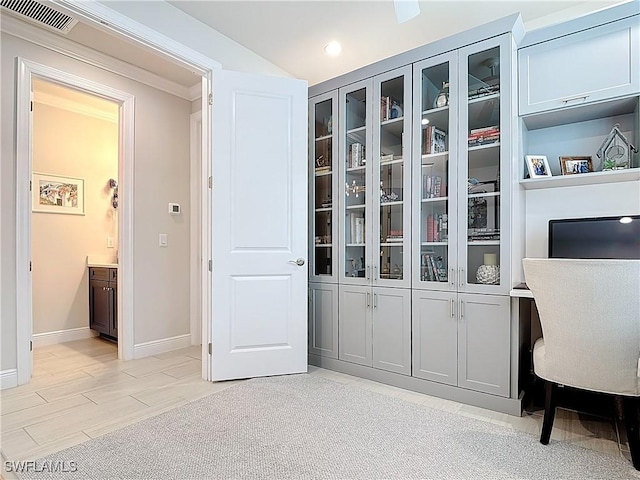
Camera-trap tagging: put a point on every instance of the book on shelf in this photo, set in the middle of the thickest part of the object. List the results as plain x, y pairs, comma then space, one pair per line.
433, 186
434, 140
437, 227
432, 268
394, 236
356, 155
356, 228
385, 108
484, 136
483, 91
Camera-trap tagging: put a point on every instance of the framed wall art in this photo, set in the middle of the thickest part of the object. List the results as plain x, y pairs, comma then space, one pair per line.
57, 194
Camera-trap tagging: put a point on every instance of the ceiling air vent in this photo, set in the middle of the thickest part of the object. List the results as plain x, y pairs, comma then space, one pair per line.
40, 14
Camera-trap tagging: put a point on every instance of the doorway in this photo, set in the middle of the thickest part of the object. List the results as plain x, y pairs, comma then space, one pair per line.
74, 219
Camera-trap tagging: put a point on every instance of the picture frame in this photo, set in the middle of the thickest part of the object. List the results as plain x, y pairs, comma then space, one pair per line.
575, 165
57, 194
538, 166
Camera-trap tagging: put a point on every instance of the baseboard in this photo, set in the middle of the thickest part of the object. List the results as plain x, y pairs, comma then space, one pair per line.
8, 378
62, 336
154, 347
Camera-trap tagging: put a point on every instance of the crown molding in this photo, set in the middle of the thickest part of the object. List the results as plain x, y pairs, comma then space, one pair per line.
17, 28
75, 107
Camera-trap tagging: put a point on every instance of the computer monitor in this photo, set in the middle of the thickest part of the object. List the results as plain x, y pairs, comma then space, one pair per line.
602, 237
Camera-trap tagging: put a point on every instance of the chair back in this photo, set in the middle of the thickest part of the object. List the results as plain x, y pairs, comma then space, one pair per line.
590, 316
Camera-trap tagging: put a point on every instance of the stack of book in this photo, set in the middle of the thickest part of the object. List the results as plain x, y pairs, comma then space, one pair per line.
479, 234
483, 91
432, 268
433, 186
395, 236
356, 223
484, 136
356, 155
437, 227
385, 108
434, 140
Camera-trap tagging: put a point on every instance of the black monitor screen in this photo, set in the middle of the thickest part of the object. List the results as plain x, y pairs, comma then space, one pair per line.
605, 237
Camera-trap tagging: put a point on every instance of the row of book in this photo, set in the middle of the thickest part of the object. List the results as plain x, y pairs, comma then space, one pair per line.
484, 136
356, 228
356, 155
432, 268
483, 91
437, 227
434, 140
389, 108
433, 186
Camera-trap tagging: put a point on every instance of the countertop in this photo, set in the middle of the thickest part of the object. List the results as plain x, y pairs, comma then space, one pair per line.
102, 261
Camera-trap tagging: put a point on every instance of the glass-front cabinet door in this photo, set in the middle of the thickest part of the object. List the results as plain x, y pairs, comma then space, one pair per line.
435, 149
355, 202
391, 182
323, 150
485, 125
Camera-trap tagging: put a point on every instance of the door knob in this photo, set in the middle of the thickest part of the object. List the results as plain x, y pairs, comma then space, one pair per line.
299, 262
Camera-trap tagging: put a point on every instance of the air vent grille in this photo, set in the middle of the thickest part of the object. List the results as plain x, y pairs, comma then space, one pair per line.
41, 14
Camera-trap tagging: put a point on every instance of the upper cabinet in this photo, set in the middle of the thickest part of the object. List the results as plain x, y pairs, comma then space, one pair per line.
323, 149
462, 144
584, 67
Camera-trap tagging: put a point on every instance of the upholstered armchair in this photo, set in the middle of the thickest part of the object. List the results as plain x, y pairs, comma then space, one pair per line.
590, 316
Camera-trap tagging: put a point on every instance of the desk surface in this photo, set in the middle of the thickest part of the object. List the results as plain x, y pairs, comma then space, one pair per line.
521, 291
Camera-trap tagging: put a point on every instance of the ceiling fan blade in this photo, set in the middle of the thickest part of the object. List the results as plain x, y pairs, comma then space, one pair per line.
406, 10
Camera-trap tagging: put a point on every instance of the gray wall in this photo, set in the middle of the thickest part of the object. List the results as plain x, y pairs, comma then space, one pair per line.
161, 287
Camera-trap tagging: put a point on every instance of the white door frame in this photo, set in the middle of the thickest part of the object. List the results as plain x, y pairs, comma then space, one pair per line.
103, 18
28, 70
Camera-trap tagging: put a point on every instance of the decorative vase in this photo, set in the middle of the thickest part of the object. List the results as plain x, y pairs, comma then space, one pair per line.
488, 274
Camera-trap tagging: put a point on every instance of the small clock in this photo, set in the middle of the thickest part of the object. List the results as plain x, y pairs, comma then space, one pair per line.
442, 99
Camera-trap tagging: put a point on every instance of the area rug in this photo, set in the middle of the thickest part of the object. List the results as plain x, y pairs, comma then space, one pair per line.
307, 427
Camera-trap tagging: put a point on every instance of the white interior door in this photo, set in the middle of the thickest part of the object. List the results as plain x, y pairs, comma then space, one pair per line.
259, 226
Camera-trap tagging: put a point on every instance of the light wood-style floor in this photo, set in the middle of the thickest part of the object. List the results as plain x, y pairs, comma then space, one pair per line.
80, 390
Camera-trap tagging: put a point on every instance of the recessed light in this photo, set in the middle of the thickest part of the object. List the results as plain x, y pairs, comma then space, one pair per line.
333, 48
626, 220
425, 121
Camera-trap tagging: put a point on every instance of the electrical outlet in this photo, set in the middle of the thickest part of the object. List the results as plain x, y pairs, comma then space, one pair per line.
109, 242
163, 240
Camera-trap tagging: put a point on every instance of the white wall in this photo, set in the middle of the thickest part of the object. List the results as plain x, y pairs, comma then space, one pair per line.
574, 202
81, 146
161, 278
174, 23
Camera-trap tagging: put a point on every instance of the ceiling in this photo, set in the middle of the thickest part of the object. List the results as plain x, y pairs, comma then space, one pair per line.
292, 34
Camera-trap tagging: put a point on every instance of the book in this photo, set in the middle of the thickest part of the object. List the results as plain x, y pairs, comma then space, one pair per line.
434, 140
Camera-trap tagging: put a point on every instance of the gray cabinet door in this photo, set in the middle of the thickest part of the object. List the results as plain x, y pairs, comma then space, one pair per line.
484, 343
323, 319
435, 334
354, 320
588, 66
392, 329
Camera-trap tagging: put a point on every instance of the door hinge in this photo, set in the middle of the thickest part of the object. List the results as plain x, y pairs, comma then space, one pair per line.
211, 265
30, 185
29, 266
210, 182
31, 345
210, 348
211, 99
31, 106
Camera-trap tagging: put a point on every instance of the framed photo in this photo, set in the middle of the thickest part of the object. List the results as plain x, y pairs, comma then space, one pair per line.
575, 165
538, 166
56, 194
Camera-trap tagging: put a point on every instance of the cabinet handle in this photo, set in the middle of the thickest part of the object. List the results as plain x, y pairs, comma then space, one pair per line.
452, 277
375, 300
368, 299
368, 267
451, 307
461, 277
574, 99
375, 273
461, 308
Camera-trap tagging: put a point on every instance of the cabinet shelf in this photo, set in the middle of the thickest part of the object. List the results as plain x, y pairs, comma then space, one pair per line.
391, 204
323, 174
434, 155
480, 243
484, 147
483, 195
391, 121
355, 207
324, 209
355, 244
484, 98
324, 137
357, 169
434, 244
431, 111
594, 178
323, 245
357, 130
391, 244
392, 162
434, 199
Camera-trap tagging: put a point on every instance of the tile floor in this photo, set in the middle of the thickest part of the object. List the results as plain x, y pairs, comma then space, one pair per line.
80, 390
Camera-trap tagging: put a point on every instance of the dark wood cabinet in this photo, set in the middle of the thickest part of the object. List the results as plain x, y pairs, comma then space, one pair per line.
103, 301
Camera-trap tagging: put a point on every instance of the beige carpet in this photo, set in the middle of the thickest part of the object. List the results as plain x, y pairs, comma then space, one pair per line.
303, 426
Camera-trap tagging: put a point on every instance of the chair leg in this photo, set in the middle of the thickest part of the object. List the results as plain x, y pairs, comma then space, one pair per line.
630, 407
549, 411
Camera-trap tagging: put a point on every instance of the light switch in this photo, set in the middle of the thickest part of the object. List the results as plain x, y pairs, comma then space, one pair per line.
163, 240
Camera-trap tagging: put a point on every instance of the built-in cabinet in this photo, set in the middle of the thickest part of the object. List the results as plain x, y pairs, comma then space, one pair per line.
323, 319
103, 301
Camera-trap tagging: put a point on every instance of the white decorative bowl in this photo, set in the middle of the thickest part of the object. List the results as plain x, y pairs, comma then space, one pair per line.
488, 274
